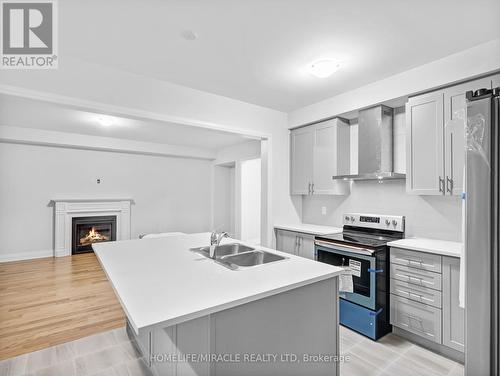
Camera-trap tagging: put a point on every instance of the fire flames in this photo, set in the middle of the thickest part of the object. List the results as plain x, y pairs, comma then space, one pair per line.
93, 236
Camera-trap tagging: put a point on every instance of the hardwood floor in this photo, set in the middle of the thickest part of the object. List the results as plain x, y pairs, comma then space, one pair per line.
50, 301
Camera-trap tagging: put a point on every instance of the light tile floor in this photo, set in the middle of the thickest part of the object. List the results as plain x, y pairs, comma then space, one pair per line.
109, 353
112, 353
391, 356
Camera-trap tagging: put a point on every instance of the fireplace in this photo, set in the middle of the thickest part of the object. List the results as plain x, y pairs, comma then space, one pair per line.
89, 230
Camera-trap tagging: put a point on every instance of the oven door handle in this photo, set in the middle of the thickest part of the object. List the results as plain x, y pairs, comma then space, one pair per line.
376, 313
370, 270
344, 247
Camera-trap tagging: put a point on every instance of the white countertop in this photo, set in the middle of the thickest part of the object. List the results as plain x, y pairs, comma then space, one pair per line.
309, 228
440, 247
160, 283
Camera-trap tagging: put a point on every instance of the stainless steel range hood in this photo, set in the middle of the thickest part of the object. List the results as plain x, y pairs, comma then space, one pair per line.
375, 146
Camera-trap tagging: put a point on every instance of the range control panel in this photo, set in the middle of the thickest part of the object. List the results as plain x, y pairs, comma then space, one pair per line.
383, 222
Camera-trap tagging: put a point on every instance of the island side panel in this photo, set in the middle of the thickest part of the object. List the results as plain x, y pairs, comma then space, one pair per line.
300, 321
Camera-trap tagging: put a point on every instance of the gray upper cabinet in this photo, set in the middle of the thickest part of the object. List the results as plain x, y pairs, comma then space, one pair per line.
318, 152
453, 314
454, 139
424, 144
454, 133
435, 125
301, 158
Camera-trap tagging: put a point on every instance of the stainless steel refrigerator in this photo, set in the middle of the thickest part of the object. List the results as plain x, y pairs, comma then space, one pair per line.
481, 233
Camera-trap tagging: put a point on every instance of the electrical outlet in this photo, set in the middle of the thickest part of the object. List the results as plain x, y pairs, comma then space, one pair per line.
323, 210
99, 180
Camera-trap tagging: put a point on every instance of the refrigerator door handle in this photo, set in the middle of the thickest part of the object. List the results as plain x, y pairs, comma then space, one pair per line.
441, 185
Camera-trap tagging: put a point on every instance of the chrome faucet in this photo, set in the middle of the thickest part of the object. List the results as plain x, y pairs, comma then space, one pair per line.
215, 239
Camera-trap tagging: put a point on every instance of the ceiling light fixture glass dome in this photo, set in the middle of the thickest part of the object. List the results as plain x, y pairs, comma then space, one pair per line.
324, 68
106, 121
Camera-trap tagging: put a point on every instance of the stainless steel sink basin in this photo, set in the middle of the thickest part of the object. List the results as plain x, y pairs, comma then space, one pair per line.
223, 250
237, 256
249, 259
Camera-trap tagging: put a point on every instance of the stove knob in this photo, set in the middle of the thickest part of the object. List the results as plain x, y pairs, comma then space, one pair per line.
346, 218
352, 219
387, 222
394, 222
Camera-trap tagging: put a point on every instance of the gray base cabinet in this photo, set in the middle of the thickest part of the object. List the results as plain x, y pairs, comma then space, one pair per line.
424, 297
453, 327
295, 243
417, 318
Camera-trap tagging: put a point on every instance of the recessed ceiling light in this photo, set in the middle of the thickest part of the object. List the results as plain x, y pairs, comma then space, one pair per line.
106, 121
189, 35
324, 68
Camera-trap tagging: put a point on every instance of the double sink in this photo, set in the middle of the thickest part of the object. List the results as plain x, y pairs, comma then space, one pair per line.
237, 256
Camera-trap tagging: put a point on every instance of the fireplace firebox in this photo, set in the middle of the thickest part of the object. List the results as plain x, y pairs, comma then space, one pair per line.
89, 230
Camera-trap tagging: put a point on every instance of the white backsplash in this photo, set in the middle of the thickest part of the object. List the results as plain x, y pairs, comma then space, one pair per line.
434, 217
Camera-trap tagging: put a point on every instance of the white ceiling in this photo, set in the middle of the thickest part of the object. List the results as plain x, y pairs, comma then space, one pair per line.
28, 113
255, 50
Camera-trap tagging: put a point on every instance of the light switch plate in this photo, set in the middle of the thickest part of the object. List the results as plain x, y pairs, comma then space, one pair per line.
323, 210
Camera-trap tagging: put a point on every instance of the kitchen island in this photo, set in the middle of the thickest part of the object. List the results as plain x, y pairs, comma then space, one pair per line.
193, 316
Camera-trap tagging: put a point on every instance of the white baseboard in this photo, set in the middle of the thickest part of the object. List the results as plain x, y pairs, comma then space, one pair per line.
17, 256
62, 253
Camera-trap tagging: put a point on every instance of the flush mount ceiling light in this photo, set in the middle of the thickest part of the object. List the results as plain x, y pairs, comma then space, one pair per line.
189, 35
324, 68
106, 121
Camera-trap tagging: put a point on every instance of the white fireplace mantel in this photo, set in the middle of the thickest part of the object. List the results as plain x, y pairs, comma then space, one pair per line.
67, 208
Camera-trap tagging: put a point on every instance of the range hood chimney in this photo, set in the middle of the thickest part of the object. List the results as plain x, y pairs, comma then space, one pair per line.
375, 146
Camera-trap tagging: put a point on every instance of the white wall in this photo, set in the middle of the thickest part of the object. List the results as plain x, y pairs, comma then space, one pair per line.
250, 200
246, 150
224, 199
426, 216
97, 87
167, 191
233, 156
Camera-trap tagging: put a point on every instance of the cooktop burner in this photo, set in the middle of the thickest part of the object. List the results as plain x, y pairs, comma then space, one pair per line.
368, 230
359, 239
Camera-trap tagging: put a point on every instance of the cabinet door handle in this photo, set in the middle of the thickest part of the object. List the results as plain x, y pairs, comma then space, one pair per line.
449, 182
312, 188
299, 243
309, 189
419, 262
416, 318
441, 184
449, 185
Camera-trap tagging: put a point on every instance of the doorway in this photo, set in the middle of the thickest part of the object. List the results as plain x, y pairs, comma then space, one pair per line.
239, 192
250, 200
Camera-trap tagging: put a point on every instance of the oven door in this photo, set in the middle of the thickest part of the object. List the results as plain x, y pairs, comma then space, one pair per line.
363, 264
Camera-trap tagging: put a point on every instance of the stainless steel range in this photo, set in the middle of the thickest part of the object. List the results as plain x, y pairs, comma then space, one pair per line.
362, 246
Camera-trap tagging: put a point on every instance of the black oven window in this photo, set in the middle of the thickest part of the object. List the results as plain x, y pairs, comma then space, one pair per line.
361, 279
